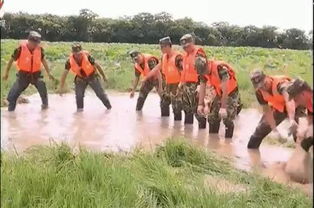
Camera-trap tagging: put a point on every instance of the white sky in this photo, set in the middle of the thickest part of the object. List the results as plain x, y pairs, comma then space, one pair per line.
281, 13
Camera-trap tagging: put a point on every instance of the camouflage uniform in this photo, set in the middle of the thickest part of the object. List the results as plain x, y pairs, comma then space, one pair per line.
189, 92
232, 107
147, 86
263, 128
214, 117
170, 96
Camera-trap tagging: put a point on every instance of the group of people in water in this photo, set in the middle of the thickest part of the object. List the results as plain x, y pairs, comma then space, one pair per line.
190, 82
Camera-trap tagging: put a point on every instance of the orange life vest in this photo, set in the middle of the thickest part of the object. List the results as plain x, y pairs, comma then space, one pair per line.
309, 106
29, 61
1, 3
86, 66
275, 99
189, 73
169, 68
214, 79
146, 69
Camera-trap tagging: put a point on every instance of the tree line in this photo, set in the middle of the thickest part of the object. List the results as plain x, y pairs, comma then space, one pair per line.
149, 28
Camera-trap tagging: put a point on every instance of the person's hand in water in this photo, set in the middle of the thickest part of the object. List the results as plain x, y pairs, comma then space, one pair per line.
132, 94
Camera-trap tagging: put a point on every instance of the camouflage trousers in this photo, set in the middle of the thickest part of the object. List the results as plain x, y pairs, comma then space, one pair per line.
190, 103
144, 90
169, 96
189, 98
233, 101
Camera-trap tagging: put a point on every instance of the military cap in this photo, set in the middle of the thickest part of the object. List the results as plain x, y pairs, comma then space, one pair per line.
76, 47
186, 39
165, 41
133, 53
257, 77
34, 36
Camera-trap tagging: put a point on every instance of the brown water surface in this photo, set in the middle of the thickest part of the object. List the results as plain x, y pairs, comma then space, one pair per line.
122, 129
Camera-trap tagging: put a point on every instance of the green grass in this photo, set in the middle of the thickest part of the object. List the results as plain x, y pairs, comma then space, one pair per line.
171, 176
277, 142
118, 67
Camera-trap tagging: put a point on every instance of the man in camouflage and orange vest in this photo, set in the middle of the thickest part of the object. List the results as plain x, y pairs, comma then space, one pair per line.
143, 64
269, 92
171, 67
85, 68
299, 94
226, 102
29, 57
193, 75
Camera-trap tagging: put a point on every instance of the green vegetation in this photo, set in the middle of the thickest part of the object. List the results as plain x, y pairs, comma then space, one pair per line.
113, 57
149, 28
278, 142
174, 175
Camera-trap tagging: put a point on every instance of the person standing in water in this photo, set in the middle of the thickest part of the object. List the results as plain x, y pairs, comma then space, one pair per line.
29, 57
171, 67
300, 165
193, 75
143, 64
85, 68
226, 103
269, 92
299, 94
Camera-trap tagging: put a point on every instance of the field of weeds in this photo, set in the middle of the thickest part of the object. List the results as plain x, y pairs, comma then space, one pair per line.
119, 69
174, 175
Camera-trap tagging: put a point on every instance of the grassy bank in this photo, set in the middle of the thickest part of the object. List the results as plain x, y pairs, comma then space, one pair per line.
175, 175
118, 67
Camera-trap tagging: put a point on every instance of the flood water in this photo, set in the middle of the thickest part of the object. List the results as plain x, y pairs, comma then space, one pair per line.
122, 129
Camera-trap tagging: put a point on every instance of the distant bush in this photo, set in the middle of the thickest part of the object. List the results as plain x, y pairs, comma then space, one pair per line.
149, 28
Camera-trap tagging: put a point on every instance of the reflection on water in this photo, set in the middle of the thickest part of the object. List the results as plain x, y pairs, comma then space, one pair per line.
122, 128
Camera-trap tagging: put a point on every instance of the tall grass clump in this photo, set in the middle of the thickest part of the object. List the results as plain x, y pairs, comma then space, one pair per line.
171, 176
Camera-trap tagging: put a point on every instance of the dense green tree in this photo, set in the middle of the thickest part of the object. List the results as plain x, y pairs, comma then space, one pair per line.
149, 28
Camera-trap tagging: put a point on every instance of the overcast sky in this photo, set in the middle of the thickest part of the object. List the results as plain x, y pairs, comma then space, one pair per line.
281, 13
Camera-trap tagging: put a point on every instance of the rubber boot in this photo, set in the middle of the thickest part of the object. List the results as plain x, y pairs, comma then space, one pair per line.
202, 123
254, 142
214, 128
178, 116
140, 104
165, 111
108, 105
44, 107
307, 143
11, 107
189, 118
229, 132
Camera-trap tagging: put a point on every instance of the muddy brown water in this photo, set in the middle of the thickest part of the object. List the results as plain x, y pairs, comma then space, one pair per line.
122, 129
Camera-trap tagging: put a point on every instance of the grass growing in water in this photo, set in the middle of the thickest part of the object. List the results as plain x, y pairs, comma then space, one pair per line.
172, 176
117, 64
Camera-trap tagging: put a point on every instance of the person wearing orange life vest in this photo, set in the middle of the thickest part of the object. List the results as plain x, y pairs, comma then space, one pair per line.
29, 57
269, 92
226, 103
143, 64
171, 67
85, 68
299, 93
193, 75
